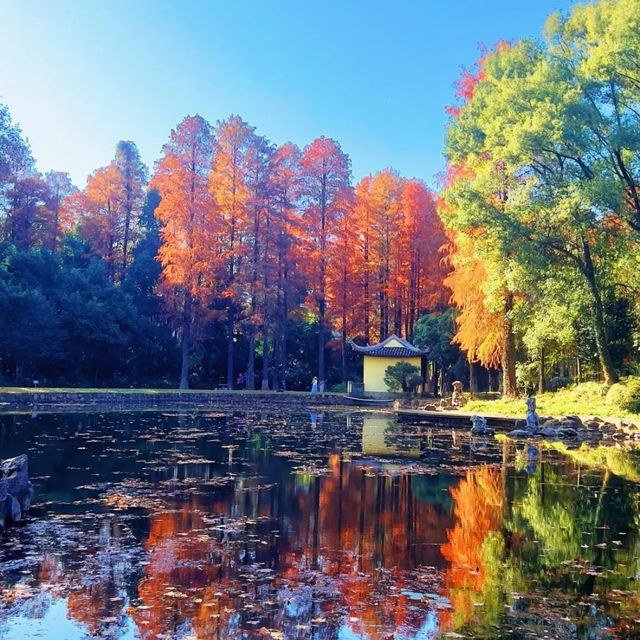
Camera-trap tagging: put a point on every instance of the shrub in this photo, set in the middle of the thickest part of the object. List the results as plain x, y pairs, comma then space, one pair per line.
413, 381
625, 395
402, 376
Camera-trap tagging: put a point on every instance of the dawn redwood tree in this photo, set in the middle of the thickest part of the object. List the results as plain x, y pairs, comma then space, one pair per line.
386, 218
188, 253
28, 218
131, 199
363, 264
260, 240
286, 188
481, 291
60, 187
96, 212
487, 254
396, 269
229, 186
424, 237
326, 172
480, 332
107, 211
341, 275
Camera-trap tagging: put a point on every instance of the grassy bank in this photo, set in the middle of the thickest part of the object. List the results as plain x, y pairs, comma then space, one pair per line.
586, 399
115, 391
26, 399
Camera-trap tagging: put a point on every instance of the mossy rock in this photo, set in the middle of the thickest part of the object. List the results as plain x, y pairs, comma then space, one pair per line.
625, 395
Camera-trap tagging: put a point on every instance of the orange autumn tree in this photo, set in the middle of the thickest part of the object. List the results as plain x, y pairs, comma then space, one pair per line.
363, 257
95, 211
397, 271
424, 235
286, 189
480, 331
386, 219
230, 189
485, 330
106, 213
326, 171
260, 241
188, 253
341, 293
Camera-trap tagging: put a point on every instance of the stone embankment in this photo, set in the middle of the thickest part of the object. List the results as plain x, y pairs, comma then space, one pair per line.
584, 429
44, 400
591, 429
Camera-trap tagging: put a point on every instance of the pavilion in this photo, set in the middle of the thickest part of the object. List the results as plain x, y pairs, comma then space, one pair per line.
380, 356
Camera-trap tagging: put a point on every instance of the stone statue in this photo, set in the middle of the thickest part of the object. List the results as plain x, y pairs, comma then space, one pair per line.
456, 400
533, 422
15, 489
479, 427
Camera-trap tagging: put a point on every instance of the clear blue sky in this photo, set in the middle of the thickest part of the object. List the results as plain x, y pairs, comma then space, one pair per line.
79, 75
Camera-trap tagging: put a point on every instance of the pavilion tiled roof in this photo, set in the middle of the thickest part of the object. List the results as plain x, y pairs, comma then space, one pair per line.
407, 350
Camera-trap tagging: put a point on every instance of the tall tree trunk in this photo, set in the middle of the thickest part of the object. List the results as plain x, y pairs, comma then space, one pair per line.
251, 367
251, 370
434, 380
56, 224
344, 349
230, 350
509, 386
265, 360
383, 335
367, 300
321, 342
277, 341
186, 345
473, 378
323, 276
541, 366
283, 349
602, 340
127, 226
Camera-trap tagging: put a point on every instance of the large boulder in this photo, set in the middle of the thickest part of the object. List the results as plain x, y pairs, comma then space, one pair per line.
15, 489
520, 434
571, 422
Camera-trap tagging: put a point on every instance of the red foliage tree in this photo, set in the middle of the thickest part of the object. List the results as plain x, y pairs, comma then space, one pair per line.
326, 171
189, 252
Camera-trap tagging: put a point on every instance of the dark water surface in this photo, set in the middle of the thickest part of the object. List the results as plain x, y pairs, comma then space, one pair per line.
328, 526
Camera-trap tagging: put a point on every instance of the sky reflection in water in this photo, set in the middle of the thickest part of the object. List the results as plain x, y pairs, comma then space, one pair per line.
326, 526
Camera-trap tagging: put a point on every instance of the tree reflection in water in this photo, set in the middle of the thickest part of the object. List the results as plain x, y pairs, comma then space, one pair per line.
375, 530
320, 552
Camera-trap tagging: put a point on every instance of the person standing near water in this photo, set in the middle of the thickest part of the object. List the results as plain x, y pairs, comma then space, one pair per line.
240, 380
314, 385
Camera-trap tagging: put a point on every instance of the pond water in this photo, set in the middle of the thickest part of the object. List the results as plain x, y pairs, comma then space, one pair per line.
330, 525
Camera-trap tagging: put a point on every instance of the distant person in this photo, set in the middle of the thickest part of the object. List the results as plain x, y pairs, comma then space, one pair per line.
314, 385
240, 381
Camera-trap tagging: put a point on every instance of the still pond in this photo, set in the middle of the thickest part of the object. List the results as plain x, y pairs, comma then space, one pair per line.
330, 525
